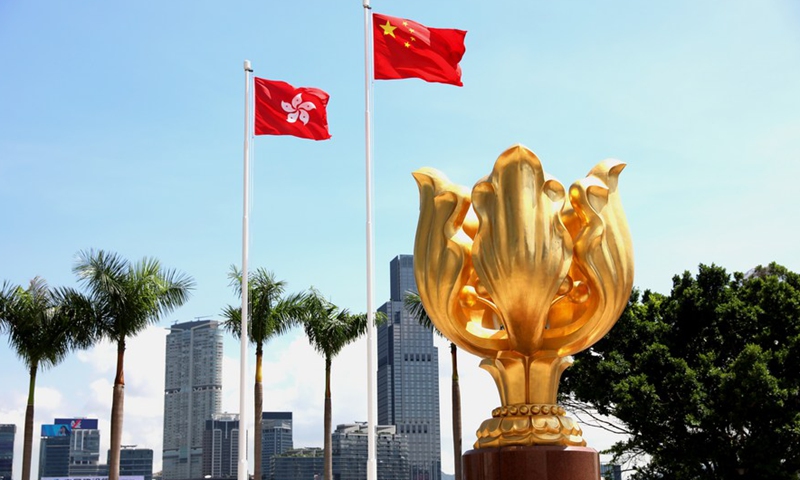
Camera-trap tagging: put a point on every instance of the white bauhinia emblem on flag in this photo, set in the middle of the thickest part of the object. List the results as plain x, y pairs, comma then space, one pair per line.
297, 109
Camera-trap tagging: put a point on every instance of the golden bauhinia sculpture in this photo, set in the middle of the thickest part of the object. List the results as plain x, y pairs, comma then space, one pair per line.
524, 274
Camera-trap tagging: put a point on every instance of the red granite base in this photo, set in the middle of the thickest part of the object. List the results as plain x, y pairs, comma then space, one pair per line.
532, 463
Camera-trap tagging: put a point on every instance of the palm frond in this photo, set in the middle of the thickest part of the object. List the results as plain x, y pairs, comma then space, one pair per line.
100, 270
270, 313
233, 320
175, 290
40, 323
416, 309
235, 280
127, 297
328, 328
79, 311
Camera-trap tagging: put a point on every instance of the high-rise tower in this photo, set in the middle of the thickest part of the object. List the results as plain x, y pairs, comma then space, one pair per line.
349, 444
221, 446
84, 446
7, 433
134, 462
276, 438
70, 447
54, 451
192, 394
408, 376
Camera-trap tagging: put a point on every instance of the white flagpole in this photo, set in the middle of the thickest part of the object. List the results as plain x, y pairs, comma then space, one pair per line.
244, 338
372, 464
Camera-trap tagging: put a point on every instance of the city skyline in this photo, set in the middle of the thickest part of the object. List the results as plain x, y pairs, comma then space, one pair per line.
121, 129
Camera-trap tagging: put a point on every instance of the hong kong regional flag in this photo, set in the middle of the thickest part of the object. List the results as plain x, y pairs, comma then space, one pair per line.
281, 109
406, 49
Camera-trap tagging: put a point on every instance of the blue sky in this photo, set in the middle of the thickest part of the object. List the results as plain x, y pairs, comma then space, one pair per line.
121, 129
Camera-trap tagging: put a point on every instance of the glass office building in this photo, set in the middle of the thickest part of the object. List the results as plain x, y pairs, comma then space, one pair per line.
54, 451
221, 446
276, 438
408, 376
7, 434
135, 461
349, 446
299, 463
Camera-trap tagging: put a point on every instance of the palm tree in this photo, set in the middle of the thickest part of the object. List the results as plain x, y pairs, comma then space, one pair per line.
270, 315
42, 330
329, 329
413, 304
126, 298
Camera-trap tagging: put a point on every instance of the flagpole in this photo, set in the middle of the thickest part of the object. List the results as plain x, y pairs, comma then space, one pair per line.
372, 464
244, 337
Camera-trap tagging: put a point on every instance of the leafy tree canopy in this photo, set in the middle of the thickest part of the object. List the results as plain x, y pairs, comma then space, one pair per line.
705, 381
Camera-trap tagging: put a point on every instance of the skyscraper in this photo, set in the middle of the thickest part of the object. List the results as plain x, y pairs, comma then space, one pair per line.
7, 433
276, 438
192, 394
84, 446
221, 446
54, 451
610, 472
349, 446
408, 376
135, 461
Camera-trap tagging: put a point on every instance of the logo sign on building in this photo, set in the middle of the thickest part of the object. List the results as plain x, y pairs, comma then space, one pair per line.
56, 430
78, 423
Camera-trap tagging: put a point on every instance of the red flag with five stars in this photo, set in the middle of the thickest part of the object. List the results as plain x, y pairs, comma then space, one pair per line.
407, 49
281, 109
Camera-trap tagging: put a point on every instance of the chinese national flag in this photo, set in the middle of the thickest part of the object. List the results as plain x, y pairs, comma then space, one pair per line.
406, 49
282, 109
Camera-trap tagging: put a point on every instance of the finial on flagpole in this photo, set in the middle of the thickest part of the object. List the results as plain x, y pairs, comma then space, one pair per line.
247, 67
366, 4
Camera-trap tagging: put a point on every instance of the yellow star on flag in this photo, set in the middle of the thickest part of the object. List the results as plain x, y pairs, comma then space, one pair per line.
415, 51
388, 29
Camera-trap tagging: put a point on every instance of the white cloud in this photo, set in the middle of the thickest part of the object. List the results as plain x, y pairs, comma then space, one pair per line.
101, 397
12, 409
101, 358
47, 399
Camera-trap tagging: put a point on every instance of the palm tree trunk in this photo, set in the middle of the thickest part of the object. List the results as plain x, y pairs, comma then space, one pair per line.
117, 406
27, 442
328, 451
456, 393
258, 393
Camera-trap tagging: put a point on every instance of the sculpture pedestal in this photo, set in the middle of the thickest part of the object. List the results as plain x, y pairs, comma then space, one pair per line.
532, 463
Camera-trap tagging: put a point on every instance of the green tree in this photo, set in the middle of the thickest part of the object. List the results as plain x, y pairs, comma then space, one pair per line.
413, 304
705, 381
270, 314
43, 330
125, 298
329, 329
